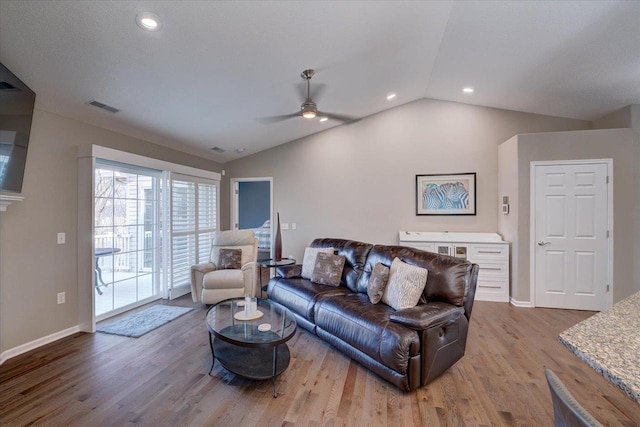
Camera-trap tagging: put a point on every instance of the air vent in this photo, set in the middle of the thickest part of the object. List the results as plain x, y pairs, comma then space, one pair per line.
8, 87
218, 149
103, 106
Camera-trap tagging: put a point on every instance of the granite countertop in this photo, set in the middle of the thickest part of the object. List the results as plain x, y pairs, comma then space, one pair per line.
610, 343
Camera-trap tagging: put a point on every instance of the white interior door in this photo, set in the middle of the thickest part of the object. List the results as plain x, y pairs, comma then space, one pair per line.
571, 248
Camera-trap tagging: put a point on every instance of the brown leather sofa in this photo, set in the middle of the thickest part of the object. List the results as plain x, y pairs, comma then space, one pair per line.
409, 347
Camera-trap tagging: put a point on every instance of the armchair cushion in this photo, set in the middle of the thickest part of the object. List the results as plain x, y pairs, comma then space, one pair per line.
229, 259
223, 279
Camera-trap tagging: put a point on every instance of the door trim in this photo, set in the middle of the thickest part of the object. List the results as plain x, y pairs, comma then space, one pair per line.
234, 201
532, 223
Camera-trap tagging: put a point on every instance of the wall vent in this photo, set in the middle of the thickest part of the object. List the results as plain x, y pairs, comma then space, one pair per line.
103, 106
8, 87
218, 149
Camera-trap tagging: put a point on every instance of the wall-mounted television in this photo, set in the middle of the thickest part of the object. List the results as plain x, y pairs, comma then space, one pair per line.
16, 112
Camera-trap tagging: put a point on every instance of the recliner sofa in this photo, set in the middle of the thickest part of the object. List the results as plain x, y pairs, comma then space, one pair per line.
408, 347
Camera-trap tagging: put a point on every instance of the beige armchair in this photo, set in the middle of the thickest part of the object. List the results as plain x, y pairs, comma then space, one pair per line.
211, 285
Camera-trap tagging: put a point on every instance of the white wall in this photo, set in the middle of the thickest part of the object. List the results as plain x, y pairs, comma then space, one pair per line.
358, 181
33, 268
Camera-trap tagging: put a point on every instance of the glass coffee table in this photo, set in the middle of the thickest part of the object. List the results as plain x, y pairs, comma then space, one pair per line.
254, 349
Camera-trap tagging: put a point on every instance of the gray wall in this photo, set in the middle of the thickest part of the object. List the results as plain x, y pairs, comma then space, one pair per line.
591, 144
33, 268
629, 117
358, 181
254, 199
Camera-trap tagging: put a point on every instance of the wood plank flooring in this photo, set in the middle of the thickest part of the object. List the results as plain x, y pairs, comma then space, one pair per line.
161, 379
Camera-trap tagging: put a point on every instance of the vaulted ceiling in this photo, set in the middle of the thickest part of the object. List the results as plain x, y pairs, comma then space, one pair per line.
214, 68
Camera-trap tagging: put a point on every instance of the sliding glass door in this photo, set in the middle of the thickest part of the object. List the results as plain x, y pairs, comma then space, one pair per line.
127, 236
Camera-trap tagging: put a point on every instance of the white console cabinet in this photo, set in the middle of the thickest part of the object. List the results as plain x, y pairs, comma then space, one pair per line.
488, 250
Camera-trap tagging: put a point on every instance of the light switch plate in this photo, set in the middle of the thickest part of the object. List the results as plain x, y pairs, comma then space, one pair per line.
62, 238
284, 226
294, 226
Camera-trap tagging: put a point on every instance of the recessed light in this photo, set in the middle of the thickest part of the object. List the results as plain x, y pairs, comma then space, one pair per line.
468, 90
148, 21
240, 150
324, 119
391, 96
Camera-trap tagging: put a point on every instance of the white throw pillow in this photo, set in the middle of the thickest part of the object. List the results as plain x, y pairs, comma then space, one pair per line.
406, 284
309, 260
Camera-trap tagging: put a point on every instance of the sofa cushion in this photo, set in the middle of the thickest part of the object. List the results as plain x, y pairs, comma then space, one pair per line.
377, 282
229, 259
309, 260
328, 269
354, 320
406, 284
300, 295
448, 276
355, 254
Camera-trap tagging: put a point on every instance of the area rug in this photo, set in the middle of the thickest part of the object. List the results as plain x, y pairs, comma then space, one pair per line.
137, 324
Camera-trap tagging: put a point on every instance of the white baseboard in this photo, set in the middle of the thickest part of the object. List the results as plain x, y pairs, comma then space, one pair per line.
517, 303
13, 352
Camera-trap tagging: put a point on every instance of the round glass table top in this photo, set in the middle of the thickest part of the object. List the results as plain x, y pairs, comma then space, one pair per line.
275, 326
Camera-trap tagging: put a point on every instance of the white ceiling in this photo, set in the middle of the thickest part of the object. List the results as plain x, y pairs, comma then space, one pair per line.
215, 67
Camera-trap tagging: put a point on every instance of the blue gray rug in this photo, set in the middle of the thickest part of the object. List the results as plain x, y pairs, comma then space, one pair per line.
137, 324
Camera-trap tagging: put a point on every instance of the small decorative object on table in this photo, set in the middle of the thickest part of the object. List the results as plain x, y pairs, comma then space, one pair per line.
277, 242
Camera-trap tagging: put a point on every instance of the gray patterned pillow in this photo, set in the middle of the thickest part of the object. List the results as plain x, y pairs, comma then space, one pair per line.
328, 269
406, 283
229, 259
377, 282
309, 260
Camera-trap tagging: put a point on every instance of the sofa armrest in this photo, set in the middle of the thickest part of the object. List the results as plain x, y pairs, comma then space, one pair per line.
251, 272
289, 271
197, 274
425, 316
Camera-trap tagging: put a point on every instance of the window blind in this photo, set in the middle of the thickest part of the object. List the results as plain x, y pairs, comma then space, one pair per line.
194, 219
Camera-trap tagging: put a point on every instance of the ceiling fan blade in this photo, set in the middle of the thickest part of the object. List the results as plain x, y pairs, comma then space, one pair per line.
340, 117
276, 119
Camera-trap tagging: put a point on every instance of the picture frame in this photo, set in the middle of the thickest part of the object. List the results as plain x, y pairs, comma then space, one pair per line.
446, 194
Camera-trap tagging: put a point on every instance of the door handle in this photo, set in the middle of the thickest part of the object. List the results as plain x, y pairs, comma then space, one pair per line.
543, 243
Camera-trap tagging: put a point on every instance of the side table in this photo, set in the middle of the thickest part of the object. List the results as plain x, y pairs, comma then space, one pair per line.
272, 263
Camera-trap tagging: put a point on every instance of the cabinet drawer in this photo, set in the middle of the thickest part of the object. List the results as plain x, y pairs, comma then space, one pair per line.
487, 290
490, 251
493, 270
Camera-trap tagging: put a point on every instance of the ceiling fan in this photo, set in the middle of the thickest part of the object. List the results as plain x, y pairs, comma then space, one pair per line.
309, 109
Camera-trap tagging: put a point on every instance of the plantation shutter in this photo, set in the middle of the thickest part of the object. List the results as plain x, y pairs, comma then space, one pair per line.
194, 219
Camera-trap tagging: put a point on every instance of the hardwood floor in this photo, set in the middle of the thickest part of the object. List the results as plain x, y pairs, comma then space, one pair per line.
161, 379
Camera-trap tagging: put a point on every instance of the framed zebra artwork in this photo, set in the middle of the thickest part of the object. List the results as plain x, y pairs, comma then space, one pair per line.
453, 194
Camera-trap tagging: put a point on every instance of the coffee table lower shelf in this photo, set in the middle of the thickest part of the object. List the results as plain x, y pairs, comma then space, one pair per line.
255, 363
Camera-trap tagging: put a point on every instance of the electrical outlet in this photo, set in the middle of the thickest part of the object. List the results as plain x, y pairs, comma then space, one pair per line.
284, 226
62, 238
61, 297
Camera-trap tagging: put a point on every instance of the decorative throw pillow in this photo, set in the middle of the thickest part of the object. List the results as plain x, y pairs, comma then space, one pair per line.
309, 260
229, 259
328, 269
377, 282
406, 283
